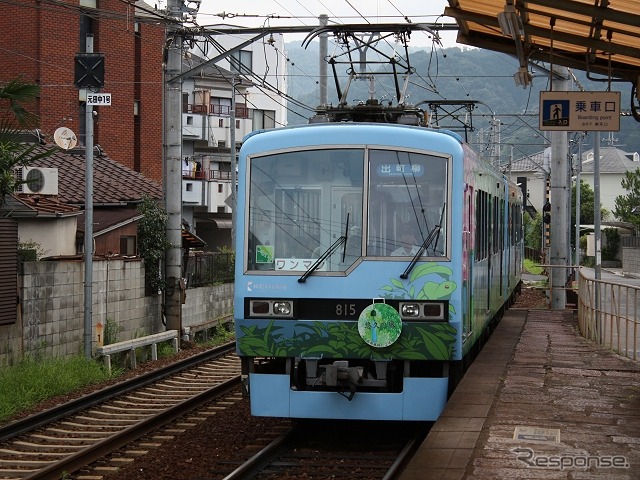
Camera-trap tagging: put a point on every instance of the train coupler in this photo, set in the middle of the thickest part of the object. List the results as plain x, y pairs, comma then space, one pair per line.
339, 373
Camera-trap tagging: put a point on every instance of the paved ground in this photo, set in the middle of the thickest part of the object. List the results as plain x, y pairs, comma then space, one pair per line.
539, 402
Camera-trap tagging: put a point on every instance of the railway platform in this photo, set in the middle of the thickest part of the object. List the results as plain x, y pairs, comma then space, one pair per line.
539, 402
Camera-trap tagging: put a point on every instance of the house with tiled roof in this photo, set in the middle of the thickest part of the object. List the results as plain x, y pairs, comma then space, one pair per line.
614, 163
51, 224
58, 202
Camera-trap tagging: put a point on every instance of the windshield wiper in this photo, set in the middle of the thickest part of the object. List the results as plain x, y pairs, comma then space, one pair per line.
426, 244
433, 235
340, 241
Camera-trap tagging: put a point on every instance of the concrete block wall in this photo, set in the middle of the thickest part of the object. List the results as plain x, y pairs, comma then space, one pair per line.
119, 296
10, 343
51, 311
630, 254
631, 260
205, 305
52, 299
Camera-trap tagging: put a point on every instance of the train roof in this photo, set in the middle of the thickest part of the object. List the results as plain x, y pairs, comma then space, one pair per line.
343, 125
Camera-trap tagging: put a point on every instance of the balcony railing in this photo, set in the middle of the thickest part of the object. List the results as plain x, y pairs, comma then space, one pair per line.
202, 175
219, 175
219, 110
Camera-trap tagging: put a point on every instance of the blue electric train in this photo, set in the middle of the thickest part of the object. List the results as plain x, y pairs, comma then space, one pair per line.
372, 259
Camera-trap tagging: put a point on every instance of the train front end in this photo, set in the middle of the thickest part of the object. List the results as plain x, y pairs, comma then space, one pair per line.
348, 271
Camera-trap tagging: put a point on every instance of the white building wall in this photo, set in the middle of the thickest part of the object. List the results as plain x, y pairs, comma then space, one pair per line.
609, 189
535, 191
55, 236
192, 191
270, 68
217, 198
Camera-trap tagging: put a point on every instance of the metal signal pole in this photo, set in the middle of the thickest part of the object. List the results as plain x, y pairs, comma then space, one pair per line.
88, 222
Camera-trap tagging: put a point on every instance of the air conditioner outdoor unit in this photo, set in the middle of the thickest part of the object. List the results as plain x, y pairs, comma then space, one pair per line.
42, 181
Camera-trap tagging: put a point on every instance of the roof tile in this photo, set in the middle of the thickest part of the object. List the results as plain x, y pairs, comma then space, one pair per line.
113, 183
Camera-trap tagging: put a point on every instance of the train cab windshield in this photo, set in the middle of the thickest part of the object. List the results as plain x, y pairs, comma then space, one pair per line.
343, 205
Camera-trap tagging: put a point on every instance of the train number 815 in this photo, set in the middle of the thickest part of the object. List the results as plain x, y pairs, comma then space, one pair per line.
345, 310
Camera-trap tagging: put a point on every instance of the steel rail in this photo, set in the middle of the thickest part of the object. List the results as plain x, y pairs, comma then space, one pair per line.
268, 454
40, 419
262, 458
84, 457
405, 455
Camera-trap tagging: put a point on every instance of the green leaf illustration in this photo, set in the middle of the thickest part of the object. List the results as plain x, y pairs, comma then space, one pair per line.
430, 269
436, 291
435, 346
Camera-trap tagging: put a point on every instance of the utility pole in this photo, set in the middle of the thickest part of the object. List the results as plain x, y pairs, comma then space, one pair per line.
495, 141
577, 231
597, 230
232, 141
172, 168
559, 197
323, 52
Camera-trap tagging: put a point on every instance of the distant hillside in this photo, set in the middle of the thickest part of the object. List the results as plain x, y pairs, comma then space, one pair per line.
457, 74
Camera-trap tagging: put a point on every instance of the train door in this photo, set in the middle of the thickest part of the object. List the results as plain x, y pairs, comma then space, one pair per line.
489, 250
501, 242
467, 263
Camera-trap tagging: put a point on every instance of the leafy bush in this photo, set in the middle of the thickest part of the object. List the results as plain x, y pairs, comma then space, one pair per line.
152, 241
611, 244
30, 251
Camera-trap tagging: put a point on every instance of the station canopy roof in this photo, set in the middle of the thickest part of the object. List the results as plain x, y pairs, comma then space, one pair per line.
598, 36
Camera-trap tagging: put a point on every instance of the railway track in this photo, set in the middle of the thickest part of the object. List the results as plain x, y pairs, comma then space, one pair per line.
60, 441
330, 450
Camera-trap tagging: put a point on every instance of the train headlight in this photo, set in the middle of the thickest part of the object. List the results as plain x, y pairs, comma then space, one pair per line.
282, 308
425, 311
410, 310
260, 308
269, 308
434, 311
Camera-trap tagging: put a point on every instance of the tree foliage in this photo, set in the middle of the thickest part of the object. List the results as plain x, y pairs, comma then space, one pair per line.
611, 244
152, 241
533, 231
15, 118
587, 214
625, 204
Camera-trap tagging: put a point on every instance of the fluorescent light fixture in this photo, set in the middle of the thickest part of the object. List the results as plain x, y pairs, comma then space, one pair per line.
522, 77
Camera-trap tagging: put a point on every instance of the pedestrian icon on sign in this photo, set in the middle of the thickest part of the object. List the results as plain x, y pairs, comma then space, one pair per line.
555, 113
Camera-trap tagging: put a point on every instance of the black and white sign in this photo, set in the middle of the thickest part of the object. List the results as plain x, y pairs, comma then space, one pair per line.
100, 99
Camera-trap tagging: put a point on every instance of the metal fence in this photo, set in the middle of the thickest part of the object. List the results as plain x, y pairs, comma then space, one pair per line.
533, 254
608, 314
209, 268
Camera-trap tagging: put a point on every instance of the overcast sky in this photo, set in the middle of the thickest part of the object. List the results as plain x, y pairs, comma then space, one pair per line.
252, 13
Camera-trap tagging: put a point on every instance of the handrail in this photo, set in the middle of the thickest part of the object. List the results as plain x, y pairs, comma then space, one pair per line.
608, 314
